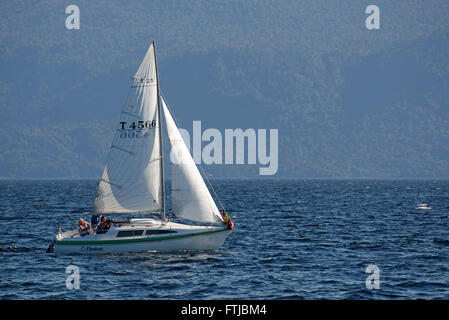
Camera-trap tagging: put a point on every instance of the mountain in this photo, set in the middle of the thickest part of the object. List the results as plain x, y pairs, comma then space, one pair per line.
348, 102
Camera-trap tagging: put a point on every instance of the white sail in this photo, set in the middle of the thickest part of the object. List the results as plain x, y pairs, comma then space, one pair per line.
190, 197
131, 180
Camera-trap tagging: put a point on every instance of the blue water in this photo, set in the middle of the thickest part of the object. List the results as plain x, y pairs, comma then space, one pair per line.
294, 239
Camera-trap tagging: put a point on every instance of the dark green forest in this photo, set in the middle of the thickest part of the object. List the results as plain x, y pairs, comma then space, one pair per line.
348, 102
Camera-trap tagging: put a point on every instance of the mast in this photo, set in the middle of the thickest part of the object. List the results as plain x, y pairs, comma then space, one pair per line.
161, 148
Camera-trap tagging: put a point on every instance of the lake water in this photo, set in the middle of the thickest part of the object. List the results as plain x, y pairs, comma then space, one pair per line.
294, 239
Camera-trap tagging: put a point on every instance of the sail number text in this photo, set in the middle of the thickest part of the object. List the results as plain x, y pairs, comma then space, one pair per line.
138, 125
134, 129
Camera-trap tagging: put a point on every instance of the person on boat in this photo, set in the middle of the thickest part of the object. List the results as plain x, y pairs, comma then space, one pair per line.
83, 227
227, 220
225, 216
94, 220
230, 224
104, 225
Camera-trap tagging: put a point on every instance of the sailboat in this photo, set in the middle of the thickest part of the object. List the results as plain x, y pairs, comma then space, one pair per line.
133, 183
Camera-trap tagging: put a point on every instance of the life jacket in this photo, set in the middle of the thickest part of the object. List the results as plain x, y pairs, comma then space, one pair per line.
84, 226
230, 224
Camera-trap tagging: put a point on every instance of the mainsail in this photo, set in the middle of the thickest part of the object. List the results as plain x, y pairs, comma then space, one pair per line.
131, 180
190, 197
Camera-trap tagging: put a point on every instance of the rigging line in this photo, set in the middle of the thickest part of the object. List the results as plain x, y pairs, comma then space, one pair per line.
202, 172
112, 184
121, 149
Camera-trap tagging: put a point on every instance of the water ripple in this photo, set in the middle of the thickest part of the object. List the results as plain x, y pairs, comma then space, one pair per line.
300, 239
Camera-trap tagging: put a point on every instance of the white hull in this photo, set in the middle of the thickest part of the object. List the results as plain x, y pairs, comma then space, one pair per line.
156, 236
